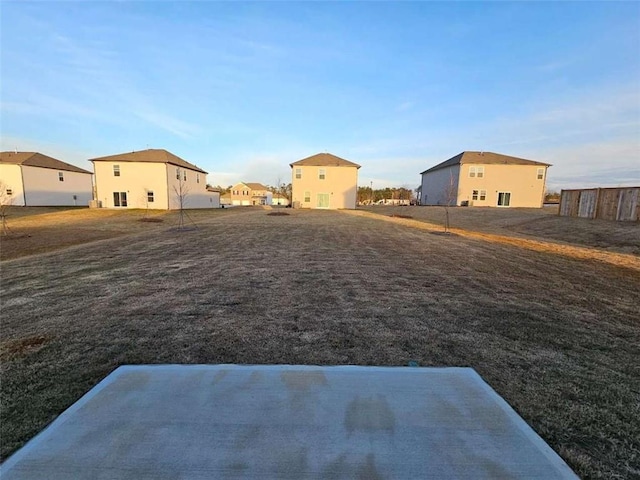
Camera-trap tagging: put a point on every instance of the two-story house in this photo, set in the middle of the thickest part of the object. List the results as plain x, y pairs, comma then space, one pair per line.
485, 179
36, 180
248, 193
324, 181
153, 178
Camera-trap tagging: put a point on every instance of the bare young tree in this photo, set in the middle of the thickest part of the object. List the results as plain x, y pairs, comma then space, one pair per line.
182, 192
451, 198
6, 200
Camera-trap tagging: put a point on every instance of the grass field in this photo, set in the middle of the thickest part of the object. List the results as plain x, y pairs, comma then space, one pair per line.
557, 335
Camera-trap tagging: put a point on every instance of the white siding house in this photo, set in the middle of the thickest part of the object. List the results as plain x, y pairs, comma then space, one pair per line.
153, 178
36, 180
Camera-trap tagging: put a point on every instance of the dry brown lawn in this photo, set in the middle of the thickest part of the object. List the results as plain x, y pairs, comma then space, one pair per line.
532, 223
557, 335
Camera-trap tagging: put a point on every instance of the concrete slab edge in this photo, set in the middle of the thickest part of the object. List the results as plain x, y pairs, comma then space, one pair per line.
518, 421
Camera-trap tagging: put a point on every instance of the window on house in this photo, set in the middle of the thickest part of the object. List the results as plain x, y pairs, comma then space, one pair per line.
9, 192
483, 195
197, 178
322, 173
472, 171
298, 173
474, 195
184, 175
177, 174
307, 197
540, 173
116, 170
150, 196
480, 172
61, 176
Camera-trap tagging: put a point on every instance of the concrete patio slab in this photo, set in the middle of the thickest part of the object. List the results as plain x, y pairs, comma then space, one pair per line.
284, 421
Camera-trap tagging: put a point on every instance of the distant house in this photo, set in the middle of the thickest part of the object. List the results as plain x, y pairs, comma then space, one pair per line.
244, 193
225, 198
484, 179
324, 181
153, 178
279, 199
36, 180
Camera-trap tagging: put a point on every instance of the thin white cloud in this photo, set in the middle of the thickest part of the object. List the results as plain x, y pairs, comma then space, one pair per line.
66, 153
168, 123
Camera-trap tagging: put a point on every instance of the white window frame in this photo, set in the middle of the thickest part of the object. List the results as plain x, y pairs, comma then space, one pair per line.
483, 195
178, 173
540, 174
472, 172
184, 175
197, 178
8, 191
474, 194
150, 196
498, 199
307, 197
298, 173
116, 170
322, 174
61, 176
479, 172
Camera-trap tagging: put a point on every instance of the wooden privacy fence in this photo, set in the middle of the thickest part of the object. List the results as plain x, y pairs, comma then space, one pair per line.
621, 203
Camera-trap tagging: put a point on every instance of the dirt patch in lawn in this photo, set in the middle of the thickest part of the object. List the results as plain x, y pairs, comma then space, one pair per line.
278, 214
23, 346
557, 336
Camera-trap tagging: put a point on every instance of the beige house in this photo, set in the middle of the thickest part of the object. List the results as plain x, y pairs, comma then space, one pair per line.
324, 181
485, 179
152, 178
36, 180
249, 194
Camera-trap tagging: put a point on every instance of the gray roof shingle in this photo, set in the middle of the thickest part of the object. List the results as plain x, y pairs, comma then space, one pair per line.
151, 155
35, 159
324, 160
484, 158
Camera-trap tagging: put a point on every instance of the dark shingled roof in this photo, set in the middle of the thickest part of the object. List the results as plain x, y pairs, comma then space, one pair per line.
151, 155
484, 158
324, 160
35, 159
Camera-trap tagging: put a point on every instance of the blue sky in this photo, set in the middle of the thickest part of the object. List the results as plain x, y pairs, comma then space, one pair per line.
244, 89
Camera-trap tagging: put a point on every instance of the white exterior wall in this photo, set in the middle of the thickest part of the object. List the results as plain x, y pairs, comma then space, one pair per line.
441, 186
136, 179
43, 187
11, 178
194, 189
